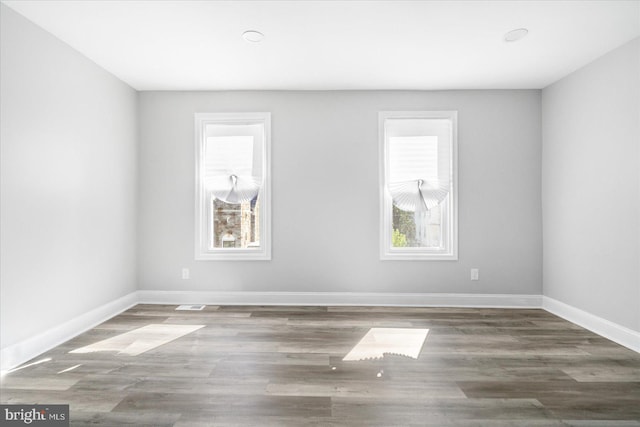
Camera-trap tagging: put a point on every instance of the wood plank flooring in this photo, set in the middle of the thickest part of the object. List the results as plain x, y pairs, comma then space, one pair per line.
282, 366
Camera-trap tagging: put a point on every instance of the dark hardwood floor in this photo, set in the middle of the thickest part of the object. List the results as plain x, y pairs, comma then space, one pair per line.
282, 366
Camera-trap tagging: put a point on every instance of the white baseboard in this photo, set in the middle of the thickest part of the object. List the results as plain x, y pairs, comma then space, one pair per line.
612, 331
340, 298
23, 351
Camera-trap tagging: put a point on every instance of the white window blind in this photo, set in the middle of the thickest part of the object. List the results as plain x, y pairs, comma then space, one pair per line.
228, 168
419, 168
229, 155
412, 158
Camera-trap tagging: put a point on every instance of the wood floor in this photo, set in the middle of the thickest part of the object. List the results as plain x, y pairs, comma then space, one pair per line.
282, 366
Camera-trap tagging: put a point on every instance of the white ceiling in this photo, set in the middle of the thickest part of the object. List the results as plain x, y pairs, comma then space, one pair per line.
197, 45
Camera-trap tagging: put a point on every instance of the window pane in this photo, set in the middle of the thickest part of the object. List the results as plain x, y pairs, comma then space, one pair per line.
236, 225
404, 229
232, 177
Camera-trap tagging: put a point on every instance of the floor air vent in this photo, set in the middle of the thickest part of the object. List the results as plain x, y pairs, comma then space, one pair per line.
191, 307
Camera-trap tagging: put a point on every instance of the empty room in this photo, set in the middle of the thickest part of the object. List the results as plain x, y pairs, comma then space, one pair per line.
320, 213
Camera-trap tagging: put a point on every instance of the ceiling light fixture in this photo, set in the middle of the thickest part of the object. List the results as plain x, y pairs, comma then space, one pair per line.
515, 35
252, 36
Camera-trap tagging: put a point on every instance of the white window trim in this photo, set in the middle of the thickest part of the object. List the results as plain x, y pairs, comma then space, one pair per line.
387, 252
202, 252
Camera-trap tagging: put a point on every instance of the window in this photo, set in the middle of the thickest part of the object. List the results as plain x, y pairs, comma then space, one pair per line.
233, 186
418, 180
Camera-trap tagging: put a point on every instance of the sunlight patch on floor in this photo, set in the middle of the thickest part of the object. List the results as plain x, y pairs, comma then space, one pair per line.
140, 340
380, 341
69, 369
3, 373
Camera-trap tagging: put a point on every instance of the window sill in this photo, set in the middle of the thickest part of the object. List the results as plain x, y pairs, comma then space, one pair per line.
417, 256
235, 255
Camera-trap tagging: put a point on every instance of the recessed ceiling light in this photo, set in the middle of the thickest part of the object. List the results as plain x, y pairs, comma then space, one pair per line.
252, 36
515, 35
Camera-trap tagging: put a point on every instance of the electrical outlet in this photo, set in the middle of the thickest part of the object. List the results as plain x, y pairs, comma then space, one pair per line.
185, 274
475, 274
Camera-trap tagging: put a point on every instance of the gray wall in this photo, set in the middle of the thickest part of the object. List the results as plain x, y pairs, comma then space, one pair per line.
325, 193
68, 182
591, 187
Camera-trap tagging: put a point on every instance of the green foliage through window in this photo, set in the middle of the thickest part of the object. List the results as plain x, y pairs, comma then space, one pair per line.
404, 223
399, 240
